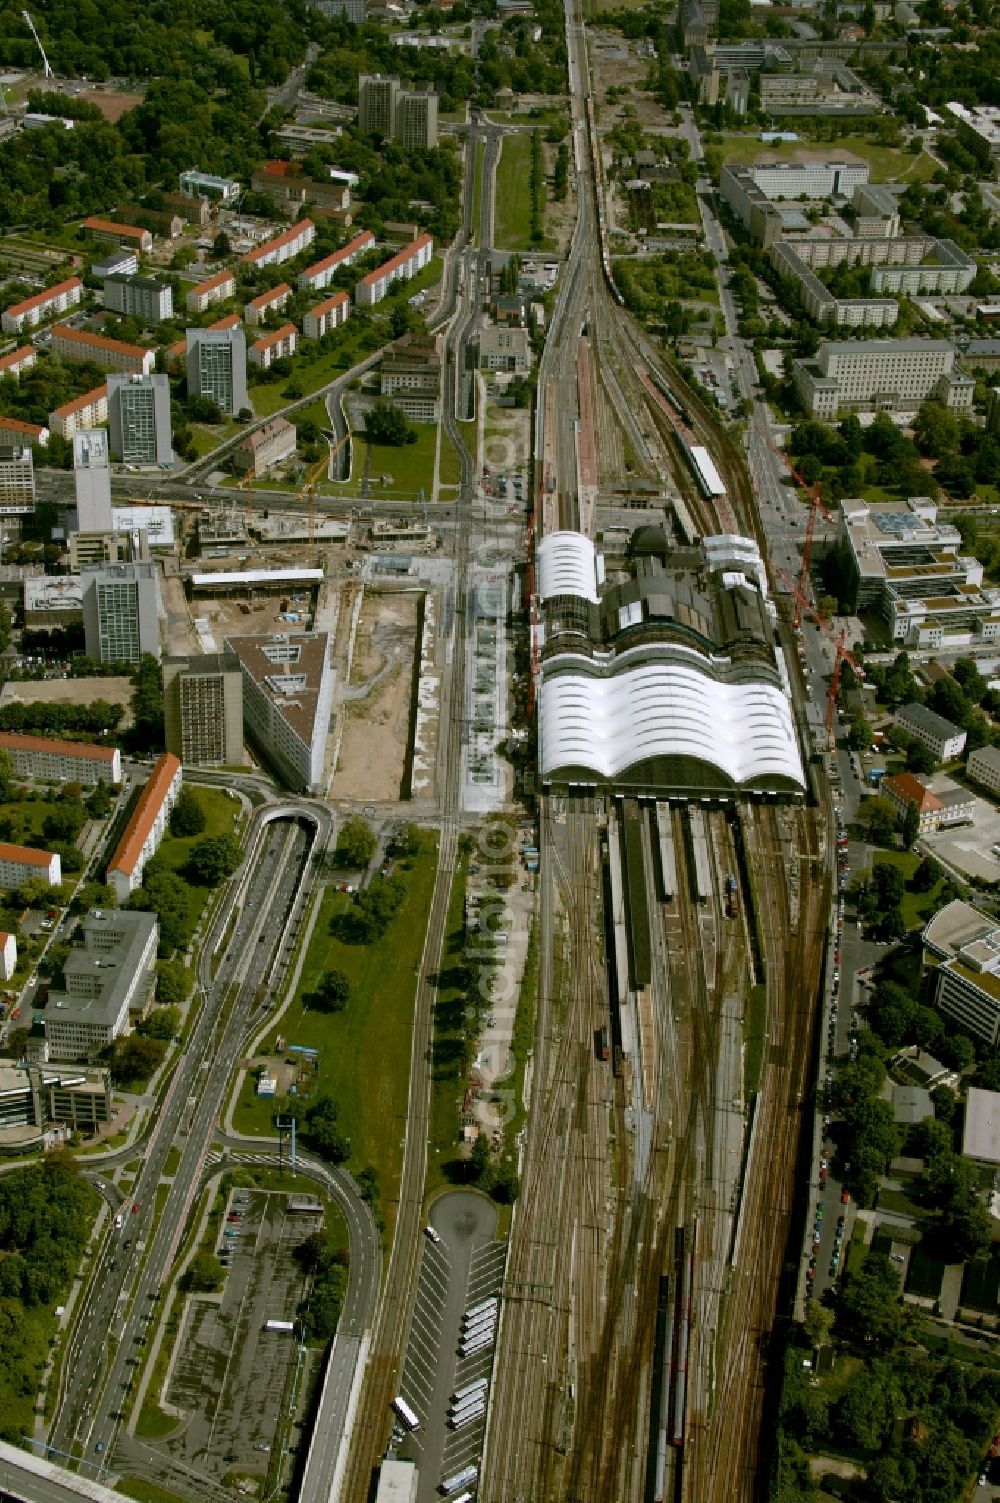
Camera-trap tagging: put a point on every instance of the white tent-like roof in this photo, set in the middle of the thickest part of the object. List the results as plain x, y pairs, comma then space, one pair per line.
609, 725
567, 565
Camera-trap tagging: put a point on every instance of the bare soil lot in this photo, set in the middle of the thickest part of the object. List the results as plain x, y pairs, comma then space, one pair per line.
377, 701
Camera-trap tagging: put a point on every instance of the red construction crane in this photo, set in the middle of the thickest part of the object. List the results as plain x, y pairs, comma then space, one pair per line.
841, 654
815, 505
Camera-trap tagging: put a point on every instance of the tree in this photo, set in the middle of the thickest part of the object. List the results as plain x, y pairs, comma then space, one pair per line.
213, 858
356, 844
173, 982
881, 820
859, 737
406, 841
163, 893
64, 822
920, 758
98, 803
204, 1273
333, 992
187, 817
322, 1132
818, 1322
147, 704
910, 826
927, 875
162, 1023
385, 423
375, 906
133, 1060
869, 1302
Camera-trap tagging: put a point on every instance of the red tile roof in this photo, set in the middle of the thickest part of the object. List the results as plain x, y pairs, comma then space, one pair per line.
98, 341
16, 357
279, 240
210, 283
78, 403
144, 815
15, 425
273, 336
45, 296
910, 790
9, 741
25, 855
399, 259
131, 231
271, 296
329, 303
352, 248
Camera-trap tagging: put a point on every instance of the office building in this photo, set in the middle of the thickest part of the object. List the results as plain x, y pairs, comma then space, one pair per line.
289, 185
139, 297
287, 702
86, 411
830, 88
907, 266
117, 547
23, 863
321, 274
983, 767
110, 981
203, 185
502, 349
32, 311
214, 289
945, 740
43, 759
175, 355
270, 444
14, 431
139, 419
962, 958
272, 301
399, 268
119, 263
120, 612
978, 129
276, 344
217, 367
909, 567
890, 375
109, 354
203, 709
329, 314
283, 247
18, 362
753, 192
129, 236
17, 479
146, 826
981, 1127
92, 479
33, 1095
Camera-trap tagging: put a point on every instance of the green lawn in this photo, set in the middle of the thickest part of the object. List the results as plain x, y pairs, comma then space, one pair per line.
406, 470
513, 193
916, 907
24, 818
221, 813
364, 1059
477, 188
887, 163
450, 466
147, 1492
267, 397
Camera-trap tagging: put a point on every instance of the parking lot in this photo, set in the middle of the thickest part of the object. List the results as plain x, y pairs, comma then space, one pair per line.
457, 1272
231, 1375
969, 848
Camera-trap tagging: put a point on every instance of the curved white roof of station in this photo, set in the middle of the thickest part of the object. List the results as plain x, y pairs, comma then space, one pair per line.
567, 565
608, 725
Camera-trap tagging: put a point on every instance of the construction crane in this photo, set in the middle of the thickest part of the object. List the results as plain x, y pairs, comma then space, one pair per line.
838, 639
246, 484
47, 67
815, 506
308, 491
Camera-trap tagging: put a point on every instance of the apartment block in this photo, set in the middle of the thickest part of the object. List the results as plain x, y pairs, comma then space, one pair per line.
983, 767
8, 956
214, 289
400, 267
908, 266
17, 479
320, 275
120, 612
909, 567
276, 344
203, 708
118, 263
283, 247
46, 760
146, 826
119, 234
502, 349
272, 301
978, 129
139, 297
270, 444
92, 480
938, 734
416, 120
287, 701
753, 192
97, 349
32, 311
217, 367
18, 361
387, 109
139, 419
86, 411
288, 184
21, 863
329, 314
891, 375
110, 980
14, 431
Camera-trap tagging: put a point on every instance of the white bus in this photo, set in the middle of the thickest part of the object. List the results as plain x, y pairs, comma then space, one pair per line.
405, 1413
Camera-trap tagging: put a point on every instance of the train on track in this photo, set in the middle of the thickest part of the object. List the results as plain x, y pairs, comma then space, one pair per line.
673, 1395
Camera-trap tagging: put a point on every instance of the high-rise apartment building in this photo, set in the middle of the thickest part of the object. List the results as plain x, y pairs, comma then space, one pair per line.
139, 419
416, 119
120, 609
386, 109
17, 478
203, 709
92, 478
217, 367
139, 297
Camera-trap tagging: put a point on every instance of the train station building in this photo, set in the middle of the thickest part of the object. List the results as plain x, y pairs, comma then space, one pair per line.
665, 679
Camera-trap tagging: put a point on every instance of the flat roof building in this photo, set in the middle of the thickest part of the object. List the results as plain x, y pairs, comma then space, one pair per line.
17, 479
962, 952
752, 191
887, 375
981, 1129
109, 981
121, 604
146, 826
204, 185
217, 367
983, 767
139, 297
203, 709
92, 480
287, 701
139, 419
39, 1096
47, 760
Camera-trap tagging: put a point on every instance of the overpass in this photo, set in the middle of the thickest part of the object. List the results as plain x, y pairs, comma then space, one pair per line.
25, 1478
